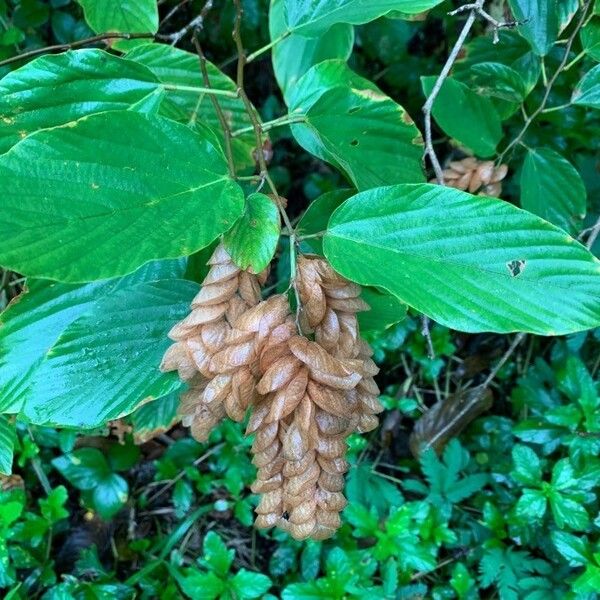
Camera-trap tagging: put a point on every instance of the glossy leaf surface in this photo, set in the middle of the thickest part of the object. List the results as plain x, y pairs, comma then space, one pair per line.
469, 262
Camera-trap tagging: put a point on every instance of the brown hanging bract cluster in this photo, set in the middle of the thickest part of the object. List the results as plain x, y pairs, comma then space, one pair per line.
306, 397
470, 174
209, 354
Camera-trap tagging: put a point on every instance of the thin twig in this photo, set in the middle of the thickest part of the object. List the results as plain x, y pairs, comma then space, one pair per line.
594, 232
427, 335
270, 45
175, 479
550, 83
518, 339
78, 44
428, 106
194, 25
427, 109
260, 157
496, 25
172, 87
217, 106
172, 12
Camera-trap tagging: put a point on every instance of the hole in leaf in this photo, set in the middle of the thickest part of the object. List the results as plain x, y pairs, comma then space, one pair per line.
354, 143
286, 515
516, 267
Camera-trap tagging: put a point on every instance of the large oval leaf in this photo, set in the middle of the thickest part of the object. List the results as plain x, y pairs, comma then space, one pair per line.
296, 54
100, 197
123, 16
35, 319
352, 124
173, 66
54, 90
312, 18
469, 262
466, 116
106, 362
552, 188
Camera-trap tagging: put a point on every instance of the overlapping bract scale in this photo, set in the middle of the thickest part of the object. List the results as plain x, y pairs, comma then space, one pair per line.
237, 352
216, 359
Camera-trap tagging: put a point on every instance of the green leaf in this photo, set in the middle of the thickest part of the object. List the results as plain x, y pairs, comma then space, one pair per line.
314, 18
479, 126
53, 507
216, 555
563, 475
12, 35
566, 10
122, 16
106, 362
351, 124
539, 23
568, 512
553, 189
576, 382
34, 320
156, 417
296, 54
317, 215
55, 90
246, 584
123, 456
366, 487
462, 582
98, 206
82, 468
252, 241
201, 586
573, 548
172, 66
527, 466
110, 495
470, 263
7, 445
531, 505
499, 81
589, 581
386, 310
587, 91
590, 38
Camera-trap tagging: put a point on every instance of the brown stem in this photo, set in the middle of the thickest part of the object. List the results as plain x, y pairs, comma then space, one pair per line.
217, 106
549, 85
264, 172
78, 44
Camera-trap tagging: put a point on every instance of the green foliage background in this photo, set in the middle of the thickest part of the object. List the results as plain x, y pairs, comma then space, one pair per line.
509, 509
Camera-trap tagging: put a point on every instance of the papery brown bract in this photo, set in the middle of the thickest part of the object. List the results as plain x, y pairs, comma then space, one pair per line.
470, 174
315, 394
210, 354
330, 304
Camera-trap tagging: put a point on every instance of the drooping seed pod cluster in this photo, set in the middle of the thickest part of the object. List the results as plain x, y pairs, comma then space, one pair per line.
305, 396
209, 354
475, 176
